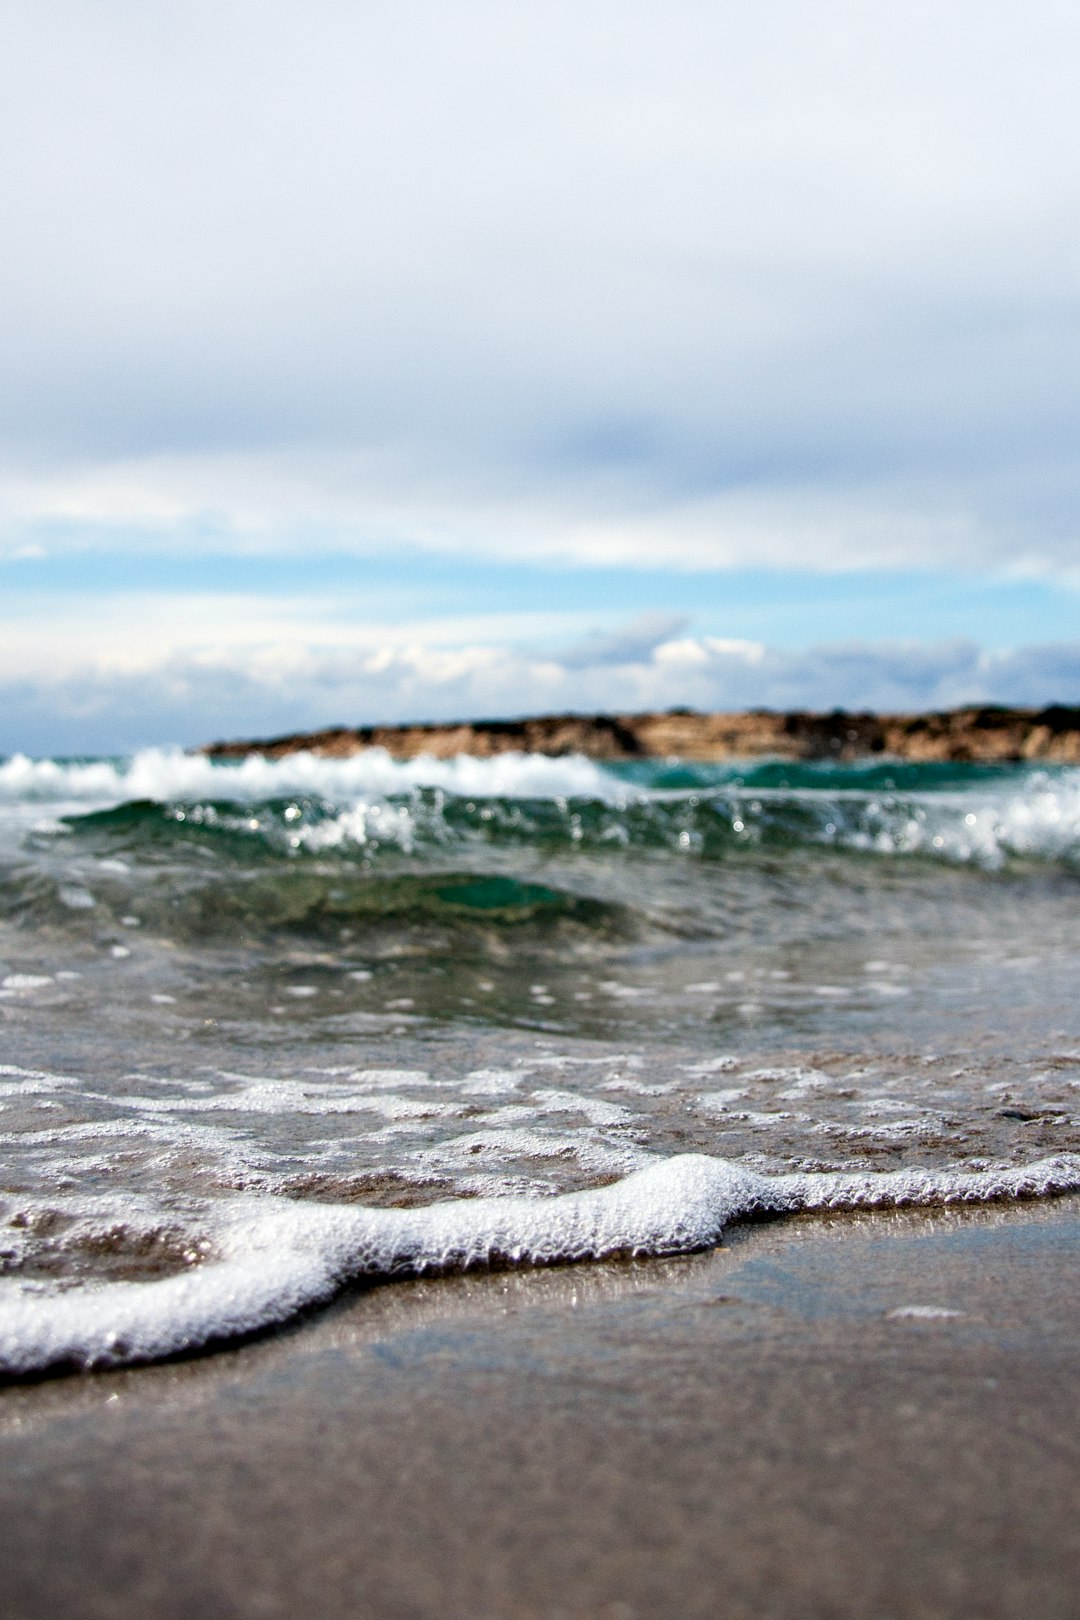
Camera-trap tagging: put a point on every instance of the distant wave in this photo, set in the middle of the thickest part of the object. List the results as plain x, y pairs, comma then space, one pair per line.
369, 803
167, 775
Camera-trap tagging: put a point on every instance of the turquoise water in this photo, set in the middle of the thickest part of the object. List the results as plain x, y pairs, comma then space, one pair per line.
366, 982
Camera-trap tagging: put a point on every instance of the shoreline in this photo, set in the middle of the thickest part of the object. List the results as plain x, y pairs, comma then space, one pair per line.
832, 1416
974, 734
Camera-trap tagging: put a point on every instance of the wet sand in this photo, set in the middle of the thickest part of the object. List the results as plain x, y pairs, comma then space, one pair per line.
790, 1426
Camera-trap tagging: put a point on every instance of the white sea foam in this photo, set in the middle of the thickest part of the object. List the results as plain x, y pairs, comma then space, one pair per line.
271, 1257
168, 775
1041, 818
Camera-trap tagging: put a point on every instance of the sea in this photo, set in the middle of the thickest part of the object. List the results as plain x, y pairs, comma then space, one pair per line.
273, 1028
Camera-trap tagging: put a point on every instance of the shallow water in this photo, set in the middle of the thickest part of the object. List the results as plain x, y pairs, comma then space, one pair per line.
358, 982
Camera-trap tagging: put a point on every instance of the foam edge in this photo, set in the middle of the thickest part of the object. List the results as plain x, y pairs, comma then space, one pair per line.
274, 1257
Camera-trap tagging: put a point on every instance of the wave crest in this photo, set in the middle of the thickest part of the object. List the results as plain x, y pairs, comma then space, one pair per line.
305, 805
170, 775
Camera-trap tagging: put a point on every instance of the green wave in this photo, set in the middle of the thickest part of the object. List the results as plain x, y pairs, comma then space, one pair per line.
864, 812
192, 904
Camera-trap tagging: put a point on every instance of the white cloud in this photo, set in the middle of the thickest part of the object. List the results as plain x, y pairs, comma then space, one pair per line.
267, 690
775, 284
68, 635
270, 503
630, 643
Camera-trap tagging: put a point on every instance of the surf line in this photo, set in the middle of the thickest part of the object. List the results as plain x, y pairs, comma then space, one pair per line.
274, 1256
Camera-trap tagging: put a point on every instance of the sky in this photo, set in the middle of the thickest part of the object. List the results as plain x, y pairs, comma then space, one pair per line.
377, 363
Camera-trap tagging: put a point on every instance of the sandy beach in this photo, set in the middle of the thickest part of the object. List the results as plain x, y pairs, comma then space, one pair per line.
286, 990
828, 1416
540, 812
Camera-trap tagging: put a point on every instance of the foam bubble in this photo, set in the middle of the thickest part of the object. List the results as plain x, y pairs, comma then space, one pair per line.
1040, 818
922, 1313
272, 1257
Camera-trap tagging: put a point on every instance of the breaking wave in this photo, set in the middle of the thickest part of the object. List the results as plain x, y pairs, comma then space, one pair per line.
370, 805
169, 776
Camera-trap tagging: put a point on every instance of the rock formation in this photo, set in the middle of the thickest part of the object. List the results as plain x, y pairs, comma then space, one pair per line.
982, 734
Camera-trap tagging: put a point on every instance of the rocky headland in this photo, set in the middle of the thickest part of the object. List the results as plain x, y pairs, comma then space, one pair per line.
977, 734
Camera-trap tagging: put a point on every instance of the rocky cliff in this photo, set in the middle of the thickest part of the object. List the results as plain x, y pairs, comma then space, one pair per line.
976, 734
